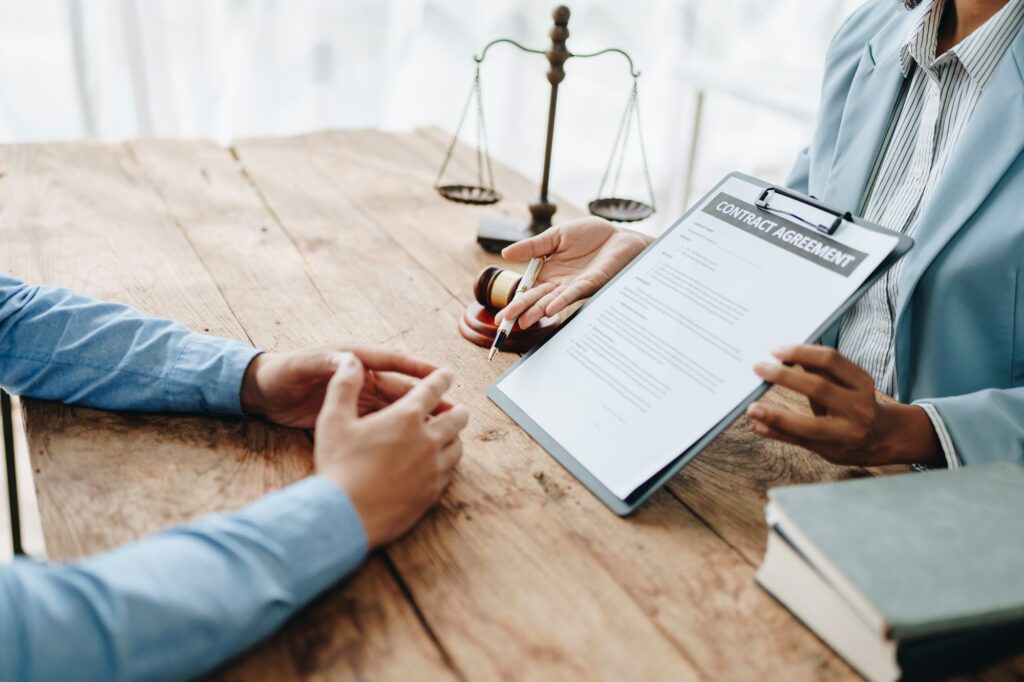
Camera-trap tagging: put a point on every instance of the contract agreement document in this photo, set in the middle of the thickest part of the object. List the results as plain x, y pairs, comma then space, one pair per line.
665, 352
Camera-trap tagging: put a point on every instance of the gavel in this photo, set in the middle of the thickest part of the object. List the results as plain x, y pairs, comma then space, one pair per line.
493, 290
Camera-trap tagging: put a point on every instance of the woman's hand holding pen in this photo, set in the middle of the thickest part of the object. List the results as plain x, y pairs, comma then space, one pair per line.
583, 255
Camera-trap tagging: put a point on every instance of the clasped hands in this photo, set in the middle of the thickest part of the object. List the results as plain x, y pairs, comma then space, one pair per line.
384, 432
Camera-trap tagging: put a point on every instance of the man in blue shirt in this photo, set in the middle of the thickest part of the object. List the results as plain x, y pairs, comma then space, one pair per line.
177, 604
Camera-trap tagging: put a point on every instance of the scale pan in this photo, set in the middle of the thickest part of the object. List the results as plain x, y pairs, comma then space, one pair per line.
469, 194
620, 210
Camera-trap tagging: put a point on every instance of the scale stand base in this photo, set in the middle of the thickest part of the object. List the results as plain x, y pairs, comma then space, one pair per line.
498, 231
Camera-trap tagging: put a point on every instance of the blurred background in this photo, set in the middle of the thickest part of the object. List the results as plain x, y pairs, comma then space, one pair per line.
726, 84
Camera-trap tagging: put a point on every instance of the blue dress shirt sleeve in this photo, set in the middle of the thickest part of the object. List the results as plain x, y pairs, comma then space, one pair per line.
58, 345
179, 603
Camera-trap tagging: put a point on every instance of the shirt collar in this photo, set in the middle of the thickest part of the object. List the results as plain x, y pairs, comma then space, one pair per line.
979, 52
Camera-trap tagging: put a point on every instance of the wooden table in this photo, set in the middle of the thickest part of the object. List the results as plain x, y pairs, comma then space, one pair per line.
519, 573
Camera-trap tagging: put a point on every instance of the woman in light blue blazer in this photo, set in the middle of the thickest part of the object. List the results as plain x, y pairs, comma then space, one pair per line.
957, 317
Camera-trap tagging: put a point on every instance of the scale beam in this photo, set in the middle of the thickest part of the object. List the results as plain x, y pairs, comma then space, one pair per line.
608, 50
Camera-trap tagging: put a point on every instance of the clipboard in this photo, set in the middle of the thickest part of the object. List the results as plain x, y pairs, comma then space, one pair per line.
765, 202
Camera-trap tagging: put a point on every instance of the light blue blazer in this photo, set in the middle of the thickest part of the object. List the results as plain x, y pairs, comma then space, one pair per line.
960, 311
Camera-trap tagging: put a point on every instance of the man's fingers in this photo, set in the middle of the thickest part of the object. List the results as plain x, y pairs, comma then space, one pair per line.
524, 301
819, 389
825, 429
393, 386
446, 427
825, 359
384, 360
543, 244
426, 395
344, 387
319, 363
449, 456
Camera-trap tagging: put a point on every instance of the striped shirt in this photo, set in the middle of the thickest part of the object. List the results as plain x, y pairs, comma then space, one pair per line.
938, 99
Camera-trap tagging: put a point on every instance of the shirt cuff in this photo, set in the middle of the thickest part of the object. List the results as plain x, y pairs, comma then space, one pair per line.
207, 376
948, 449
316, 529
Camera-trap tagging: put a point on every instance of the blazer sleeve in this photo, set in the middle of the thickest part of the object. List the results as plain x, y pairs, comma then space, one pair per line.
58, 345
176, 605
985, 426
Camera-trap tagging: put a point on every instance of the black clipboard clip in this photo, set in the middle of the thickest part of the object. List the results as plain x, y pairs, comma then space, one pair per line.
764, 203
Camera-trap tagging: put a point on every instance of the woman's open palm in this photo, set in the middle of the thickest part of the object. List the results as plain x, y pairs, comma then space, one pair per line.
583, 255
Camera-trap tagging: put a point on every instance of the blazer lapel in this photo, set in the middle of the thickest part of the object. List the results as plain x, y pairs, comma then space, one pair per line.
869, 107
993, 139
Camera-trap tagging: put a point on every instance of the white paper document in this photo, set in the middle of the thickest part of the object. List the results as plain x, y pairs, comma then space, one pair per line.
667, 350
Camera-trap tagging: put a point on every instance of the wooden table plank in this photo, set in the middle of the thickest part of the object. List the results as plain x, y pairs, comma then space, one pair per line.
351, 240
584, 521
83, 216
475, 568
76, 216
520, 573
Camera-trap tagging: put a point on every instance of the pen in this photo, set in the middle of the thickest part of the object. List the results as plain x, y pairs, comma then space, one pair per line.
529, 277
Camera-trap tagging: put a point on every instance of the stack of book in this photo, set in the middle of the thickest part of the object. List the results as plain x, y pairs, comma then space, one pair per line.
913, 575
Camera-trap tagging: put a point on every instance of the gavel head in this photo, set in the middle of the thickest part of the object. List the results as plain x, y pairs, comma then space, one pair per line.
493, 290
495, 286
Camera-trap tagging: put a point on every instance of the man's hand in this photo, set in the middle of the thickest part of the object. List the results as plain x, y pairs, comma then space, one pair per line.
288, 388
583, 255
393, 463
848, 426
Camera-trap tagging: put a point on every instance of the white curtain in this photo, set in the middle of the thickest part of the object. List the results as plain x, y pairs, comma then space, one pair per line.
221, 69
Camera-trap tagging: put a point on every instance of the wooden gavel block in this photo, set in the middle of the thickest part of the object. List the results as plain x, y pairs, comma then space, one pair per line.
493, 290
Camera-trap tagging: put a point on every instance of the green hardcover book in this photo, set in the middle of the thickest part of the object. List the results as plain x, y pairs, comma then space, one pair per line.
908, 575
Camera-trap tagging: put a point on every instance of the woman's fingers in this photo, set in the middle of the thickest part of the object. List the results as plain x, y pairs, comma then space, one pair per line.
534, 314
817, 388
579, 289
524, 301
834, 430
825, 360
543, 244
823, 449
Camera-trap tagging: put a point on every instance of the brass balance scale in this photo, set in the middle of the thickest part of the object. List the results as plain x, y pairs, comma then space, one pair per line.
496, 232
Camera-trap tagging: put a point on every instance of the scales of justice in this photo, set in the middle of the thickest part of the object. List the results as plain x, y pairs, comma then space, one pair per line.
496, 231
495, 286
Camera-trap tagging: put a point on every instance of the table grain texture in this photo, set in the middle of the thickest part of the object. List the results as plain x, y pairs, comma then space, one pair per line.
519, 573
